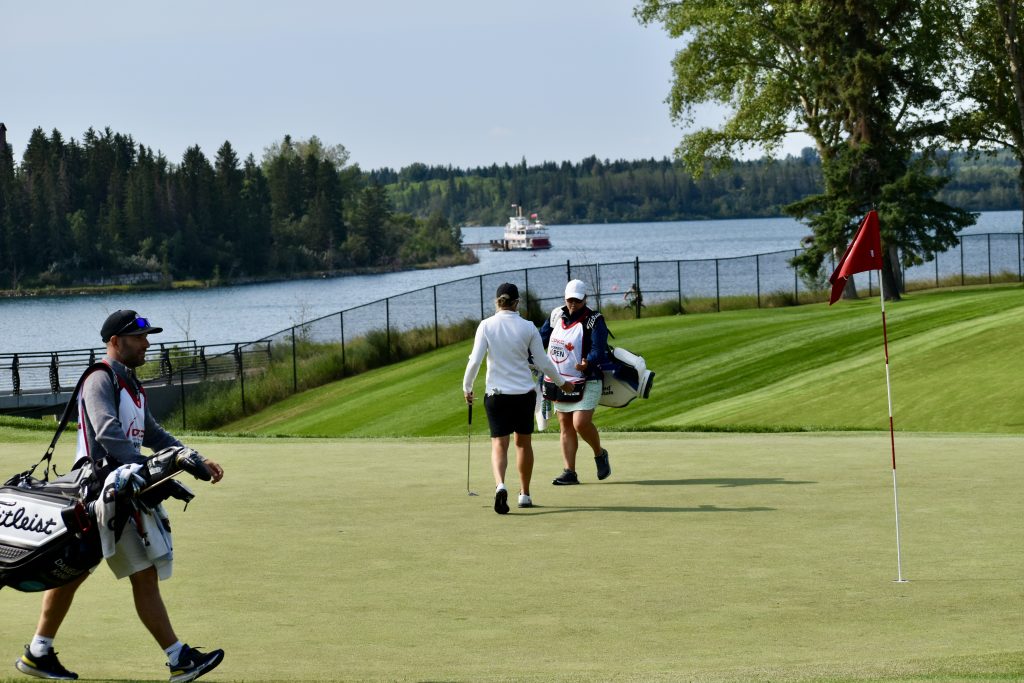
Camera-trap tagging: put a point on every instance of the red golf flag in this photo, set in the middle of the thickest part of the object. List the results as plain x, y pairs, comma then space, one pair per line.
863, 254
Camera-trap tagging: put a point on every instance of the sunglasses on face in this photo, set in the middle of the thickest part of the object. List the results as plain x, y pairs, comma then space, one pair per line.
137, 324
574, 301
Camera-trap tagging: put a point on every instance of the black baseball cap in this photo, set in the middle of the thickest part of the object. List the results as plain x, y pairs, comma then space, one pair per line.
507, 289
126, 323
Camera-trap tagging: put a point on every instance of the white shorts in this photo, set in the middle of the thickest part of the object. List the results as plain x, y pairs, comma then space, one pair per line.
129, 554
591, 396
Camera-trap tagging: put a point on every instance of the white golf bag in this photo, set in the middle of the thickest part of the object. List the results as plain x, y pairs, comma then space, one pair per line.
628, 378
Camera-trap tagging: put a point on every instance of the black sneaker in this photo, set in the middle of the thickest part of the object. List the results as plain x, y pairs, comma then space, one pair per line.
501, 501
566, 478
46, 666
604, 468
192, 664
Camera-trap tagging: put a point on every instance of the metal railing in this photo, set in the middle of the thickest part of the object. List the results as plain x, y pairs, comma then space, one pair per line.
39, 381
742, 281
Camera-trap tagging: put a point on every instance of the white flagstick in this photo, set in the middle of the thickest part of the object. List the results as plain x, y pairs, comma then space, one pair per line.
892, 436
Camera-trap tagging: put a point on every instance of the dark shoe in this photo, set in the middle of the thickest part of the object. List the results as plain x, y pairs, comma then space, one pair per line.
46, 666
192, 664
501, 501
566, 478
604, 468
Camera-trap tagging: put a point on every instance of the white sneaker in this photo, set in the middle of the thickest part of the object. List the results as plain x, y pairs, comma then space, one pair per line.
524, 501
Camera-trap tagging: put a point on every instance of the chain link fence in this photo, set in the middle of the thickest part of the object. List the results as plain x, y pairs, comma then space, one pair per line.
397, 327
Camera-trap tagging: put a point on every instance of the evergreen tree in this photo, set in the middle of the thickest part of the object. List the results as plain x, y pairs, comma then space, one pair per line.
255, 241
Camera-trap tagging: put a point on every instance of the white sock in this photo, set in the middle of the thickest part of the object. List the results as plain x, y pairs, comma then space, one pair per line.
173, 652
499, 487
40, 646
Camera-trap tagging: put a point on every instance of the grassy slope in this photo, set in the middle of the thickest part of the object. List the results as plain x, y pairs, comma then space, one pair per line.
721, 557
953, 362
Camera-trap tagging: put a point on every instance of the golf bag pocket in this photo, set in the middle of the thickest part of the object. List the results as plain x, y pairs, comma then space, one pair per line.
48, 538
553, 392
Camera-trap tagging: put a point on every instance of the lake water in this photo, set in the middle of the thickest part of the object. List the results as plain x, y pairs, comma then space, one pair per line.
249, 312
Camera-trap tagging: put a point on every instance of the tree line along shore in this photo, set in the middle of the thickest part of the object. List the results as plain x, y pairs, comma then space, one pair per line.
106, 211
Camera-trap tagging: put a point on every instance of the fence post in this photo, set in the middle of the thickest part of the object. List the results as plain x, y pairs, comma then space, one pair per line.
295, 365
679, 283
437, 336
181, 387
54, 374
757, 274
480, 280
239, 366
387, 324
341, 322
165, 364
961, 261
568, 270
718, 290
526, 293
16, 376
989, 236
636, 279
796, 282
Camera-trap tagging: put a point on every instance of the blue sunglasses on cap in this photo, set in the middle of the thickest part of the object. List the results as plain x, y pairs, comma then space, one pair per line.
138, 323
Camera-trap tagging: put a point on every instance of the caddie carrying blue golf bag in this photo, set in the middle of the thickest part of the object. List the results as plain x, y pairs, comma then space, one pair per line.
50, 531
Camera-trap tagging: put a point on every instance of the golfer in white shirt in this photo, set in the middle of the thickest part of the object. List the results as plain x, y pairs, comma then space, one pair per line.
510, 344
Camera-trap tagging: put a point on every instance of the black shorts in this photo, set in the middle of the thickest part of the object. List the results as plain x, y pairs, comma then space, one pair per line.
507, 413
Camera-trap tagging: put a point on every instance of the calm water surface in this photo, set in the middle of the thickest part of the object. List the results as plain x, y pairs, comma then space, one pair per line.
248, 312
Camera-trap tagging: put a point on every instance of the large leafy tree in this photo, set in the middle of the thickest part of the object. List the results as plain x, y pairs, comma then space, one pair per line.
860, 77
992, 82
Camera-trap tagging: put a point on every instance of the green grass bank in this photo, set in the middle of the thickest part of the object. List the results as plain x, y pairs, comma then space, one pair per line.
953, 357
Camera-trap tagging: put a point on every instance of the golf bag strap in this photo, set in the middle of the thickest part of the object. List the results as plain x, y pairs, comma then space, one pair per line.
70, 409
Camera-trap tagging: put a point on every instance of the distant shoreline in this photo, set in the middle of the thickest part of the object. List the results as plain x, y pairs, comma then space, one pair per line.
465, 258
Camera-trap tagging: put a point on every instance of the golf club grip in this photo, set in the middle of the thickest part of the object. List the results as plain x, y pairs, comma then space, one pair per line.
470, 413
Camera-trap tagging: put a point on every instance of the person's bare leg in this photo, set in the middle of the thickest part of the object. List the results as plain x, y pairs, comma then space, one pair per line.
524, 460
56, 604
149, 605
499, 463
499, 458
583, 423
568, 440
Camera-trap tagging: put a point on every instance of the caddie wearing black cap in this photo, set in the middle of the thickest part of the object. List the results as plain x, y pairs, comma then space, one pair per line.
126, 324
114, 424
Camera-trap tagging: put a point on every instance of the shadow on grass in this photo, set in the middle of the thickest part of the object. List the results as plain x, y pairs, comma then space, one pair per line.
554, 510
720, 482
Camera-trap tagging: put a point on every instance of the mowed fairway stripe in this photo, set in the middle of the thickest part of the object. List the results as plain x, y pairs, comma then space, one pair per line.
923, 368
704, 557
953, 362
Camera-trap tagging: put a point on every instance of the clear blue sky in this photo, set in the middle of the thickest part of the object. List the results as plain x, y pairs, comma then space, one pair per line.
460, 82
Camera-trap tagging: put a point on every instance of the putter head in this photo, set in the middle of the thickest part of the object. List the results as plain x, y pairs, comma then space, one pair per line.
471, 493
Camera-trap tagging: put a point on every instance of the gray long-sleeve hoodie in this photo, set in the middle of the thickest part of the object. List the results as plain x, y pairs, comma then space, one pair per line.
104, 435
